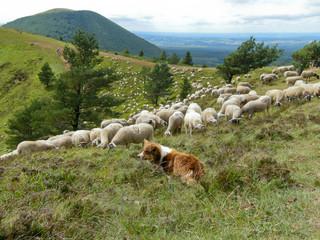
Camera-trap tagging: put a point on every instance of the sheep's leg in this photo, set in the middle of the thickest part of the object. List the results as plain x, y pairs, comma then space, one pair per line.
250, 115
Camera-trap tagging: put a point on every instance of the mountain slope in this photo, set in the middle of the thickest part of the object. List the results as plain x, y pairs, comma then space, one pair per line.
58, 23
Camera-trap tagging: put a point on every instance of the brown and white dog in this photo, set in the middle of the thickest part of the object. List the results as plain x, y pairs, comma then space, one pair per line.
188, 167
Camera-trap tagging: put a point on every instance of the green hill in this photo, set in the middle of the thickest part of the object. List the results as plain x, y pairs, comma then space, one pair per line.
262, 177
58, 23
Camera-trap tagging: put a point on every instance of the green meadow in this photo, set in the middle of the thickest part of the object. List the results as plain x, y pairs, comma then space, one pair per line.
262, 176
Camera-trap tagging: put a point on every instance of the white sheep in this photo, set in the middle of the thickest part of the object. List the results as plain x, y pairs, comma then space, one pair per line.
64, 141
259, 105
122, 121
313, 89
209, 116
246, 84
234, 113
159, 122
28, 147
193, 121
132, 134
290, 74
276, 96
269, 78
299, 82
108, 133
146, 120
252, 92
95, 136
230, 90
165, 114
195, 107
247, 76
243, 89
232, 101
215, 93
308, 75
175, 123
81, 138
295, 92
292, 80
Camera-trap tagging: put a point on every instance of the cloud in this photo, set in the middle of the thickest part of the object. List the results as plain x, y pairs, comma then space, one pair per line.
280, 17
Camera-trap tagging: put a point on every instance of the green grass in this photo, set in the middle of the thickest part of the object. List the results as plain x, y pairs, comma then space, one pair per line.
93, 193
262, 177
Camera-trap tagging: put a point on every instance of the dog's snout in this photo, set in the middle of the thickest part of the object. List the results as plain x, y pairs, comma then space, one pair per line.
140, 155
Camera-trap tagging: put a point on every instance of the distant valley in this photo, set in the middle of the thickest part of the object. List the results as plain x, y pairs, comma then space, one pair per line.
210, 49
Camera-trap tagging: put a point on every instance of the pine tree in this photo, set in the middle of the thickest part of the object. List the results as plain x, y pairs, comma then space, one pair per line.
77, 90
174, 59
46, 75
141, 53
158, 83
163, 56
126, 51
185, 88
187, 59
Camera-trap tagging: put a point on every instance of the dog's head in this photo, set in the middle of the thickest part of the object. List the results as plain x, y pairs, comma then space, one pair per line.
151, 151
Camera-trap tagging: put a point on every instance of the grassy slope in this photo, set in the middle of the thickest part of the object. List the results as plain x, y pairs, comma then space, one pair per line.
93, 193
21, 58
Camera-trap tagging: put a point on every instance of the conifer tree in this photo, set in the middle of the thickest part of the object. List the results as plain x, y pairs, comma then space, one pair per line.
158, 83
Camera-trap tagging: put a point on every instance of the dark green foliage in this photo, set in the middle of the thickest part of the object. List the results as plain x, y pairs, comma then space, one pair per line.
126, 51
62, 23
141, 53
185, 88
303, 56
77, 90
174, 59
32, 123
87, 50
249, 55
145, 71
158, 83
187, 59
163, 56
46, 75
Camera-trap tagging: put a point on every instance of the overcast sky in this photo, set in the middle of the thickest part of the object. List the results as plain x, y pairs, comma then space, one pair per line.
202, 16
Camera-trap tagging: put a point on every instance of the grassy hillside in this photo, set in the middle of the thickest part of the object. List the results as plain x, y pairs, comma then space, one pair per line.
58, 23
262, 177
21, 58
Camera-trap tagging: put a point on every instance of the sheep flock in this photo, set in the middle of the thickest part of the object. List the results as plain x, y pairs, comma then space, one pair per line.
237, 101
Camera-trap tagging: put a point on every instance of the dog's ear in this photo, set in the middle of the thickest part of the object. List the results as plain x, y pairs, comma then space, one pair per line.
145, 141
154, 149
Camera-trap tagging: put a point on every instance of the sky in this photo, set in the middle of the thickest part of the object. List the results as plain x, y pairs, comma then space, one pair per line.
186, 16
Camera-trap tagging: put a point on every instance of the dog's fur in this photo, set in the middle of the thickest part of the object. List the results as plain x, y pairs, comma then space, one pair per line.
188, 167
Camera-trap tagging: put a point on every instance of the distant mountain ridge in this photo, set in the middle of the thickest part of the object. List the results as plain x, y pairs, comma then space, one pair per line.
62, 23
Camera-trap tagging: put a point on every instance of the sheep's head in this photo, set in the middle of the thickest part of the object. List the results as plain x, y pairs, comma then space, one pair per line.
235, 120
111, 145
278, 104
214, 122
308, 97
199, 126
317, 76
167, 133
165, 124
83, 144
